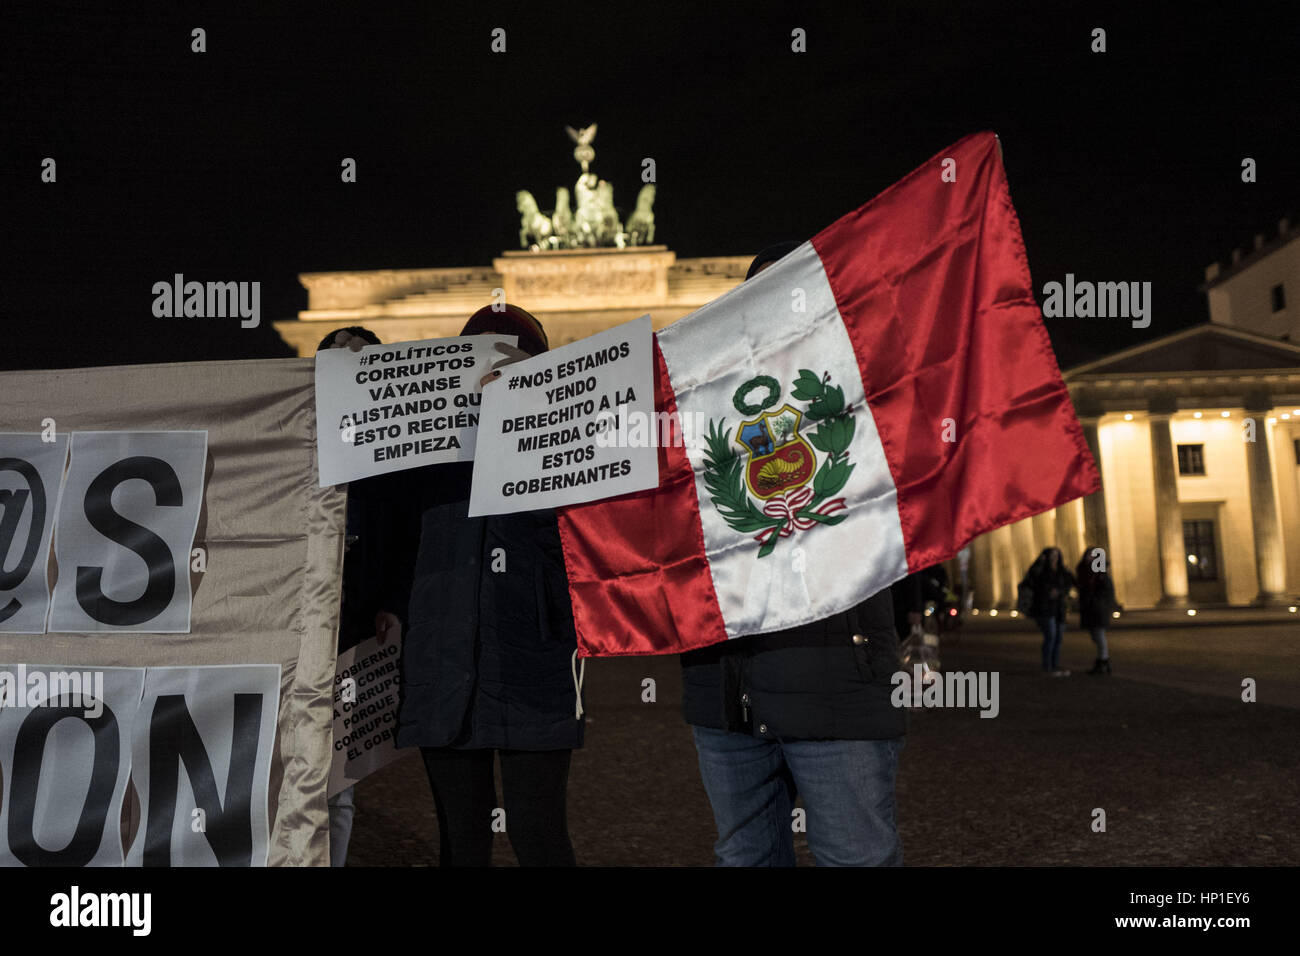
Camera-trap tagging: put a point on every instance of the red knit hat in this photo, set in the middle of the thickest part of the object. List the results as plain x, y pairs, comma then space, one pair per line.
509, 320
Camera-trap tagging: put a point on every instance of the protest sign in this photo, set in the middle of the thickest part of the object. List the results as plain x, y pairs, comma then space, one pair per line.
365, 712
173, 706
546, 426
392, 407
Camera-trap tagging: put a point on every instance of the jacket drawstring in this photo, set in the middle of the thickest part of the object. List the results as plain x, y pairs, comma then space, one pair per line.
579, 672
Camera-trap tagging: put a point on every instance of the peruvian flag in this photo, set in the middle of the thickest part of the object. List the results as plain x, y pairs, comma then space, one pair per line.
857, 411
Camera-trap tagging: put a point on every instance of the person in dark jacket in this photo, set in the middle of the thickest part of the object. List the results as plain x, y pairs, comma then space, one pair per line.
1050, 582
372, 597
489, 657
804, 711
1096, 603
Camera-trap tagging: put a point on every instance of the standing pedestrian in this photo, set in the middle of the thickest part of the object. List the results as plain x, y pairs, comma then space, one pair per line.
1048, 584
1096, 603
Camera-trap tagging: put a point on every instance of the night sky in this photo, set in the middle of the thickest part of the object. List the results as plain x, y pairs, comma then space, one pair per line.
224, 166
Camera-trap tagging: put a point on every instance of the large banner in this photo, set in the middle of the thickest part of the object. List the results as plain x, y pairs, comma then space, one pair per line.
169, 592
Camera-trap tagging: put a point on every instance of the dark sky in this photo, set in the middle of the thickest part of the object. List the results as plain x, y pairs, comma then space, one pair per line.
225, 165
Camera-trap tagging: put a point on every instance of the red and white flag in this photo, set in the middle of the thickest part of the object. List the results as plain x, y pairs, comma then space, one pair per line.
869, 404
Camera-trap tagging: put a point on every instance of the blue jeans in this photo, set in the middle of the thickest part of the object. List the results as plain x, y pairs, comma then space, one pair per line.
1099, 638
1053, 630
847, 788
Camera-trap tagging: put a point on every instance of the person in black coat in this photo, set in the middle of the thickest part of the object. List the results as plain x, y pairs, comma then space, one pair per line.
802, 711
1096, 603
488, 665
373, 598
1050, 584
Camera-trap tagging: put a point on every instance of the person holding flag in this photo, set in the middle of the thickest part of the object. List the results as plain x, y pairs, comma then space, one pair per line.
803, 711
867, 403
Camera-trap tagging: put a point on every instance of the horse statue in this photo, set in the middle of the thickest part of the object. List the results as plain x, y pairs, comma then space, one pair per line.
610, 226
532, 224
641, 224
562, 219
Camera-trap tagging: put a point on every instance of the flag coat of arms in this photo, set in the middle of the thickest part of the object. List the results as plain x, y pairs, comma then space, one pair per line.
859, 410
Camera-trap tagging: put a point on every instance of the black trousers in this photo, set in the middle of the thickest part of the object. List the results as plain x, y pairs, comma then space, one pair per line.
533, 784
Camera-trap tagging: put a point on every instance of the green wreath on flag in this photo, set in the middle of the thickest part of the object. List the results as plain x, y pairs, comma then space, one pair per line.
724, 468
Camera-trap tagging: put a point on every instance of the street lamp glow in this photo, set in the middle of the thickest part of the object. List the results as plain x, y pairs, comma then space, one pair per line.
1224, 414
1128, 416
1015, 613
993, 612
1114, 613
1196, 414
1191, 612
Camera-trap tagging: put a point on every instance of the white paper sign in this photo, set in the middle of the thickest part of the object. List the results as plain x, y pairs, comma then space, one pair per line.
365, 711
207, 759
31, 472
65, 749
391, 407
193, 744
127, 517
546, 436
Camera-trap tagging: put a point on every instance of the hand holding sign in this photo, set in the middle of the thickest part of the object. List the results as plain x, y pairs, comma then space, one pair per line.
512, 354
386, 625
545, 438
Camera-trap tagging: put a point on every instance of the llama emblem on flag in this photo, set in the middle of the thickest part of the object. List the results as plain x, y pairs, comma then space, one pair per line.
779, 461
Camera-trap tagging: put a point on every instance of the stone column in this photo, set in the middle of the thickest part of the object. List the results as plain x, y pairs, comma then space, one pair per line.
1270, 559
983, 575
1067, 532
1004, 560
1045, 532
1096, 532
1169, 516
1022, 538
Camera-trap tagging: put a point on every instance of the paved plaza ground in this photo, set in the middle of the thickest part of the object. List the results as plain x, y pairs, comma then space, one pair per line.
1187, 773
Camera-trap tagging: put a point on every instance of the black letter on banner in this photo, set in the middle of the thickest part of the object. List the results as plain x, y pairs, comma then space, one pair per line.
29, 753
153, 549
173, 736
13, 503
